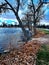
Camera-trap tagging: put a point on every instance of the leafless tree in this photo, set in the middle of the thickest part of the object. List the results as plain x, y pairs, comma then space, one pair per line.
6, 6
36, 12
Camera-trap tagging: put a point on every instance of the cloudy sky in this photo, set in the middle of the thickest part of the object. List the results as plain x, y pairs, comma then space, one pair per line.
10, 15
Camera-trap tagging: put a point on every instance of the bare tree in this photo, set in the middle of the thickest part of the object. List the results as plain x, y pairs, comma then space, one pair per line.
39, 12
35, 12
5, 6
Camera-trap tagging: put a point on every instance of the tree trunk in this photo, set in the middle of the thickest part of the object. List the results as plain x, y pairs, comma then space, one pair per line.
21, 25
28, 25
34, 27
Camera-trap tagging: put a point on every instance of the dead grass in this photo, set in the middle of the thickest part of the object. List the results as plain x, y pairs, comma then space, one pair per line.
39, 34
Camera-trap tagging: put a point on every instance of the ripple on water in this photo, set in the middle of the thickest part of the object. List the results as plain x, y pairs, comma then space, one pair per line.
9, 35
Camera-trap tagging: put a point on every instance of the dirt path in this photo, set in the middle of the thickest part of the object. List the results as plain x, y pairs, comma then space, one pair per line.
46, 36
43, 40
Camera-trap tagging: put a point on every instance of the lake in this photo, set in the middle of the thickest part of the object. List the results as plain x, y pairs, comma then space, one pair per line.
9, 35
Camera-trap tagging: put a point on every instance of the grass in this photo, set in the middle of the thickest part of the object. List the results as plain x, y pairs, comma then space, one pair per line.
44, 30
43, 55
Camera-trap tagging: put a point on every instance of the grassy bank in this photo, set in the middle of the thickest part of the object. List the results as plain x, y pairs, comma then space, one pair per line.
43, 55
44, 30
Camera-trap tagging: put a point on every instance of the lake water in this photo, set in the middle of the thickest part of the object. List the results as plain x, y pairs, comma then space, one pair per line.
9, 35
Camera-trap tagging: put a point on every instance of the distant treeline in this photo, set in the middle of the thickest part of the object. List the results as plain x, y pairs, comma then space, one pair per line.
9, 25
43, 26
15, 25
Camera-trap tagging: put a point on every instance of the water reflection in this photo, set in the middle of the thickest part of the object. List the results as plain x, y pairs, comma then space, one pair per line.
9, 35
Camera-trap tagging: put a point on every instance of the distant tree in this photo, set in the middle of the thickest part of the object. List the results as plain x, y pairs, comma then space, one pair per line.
11, 25
47, 26
4, 24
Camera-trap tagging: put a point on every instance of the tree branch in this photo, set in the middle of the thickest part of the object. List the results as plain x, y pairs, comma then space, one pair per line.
10, 5
3, 5
39, 7
18, 1
41, 3
33, 5
6, 8
33, 11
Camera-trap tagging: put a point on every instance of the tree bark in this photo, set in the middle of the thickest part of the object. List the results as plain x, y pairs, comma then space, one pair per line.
34, 27
21, 25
